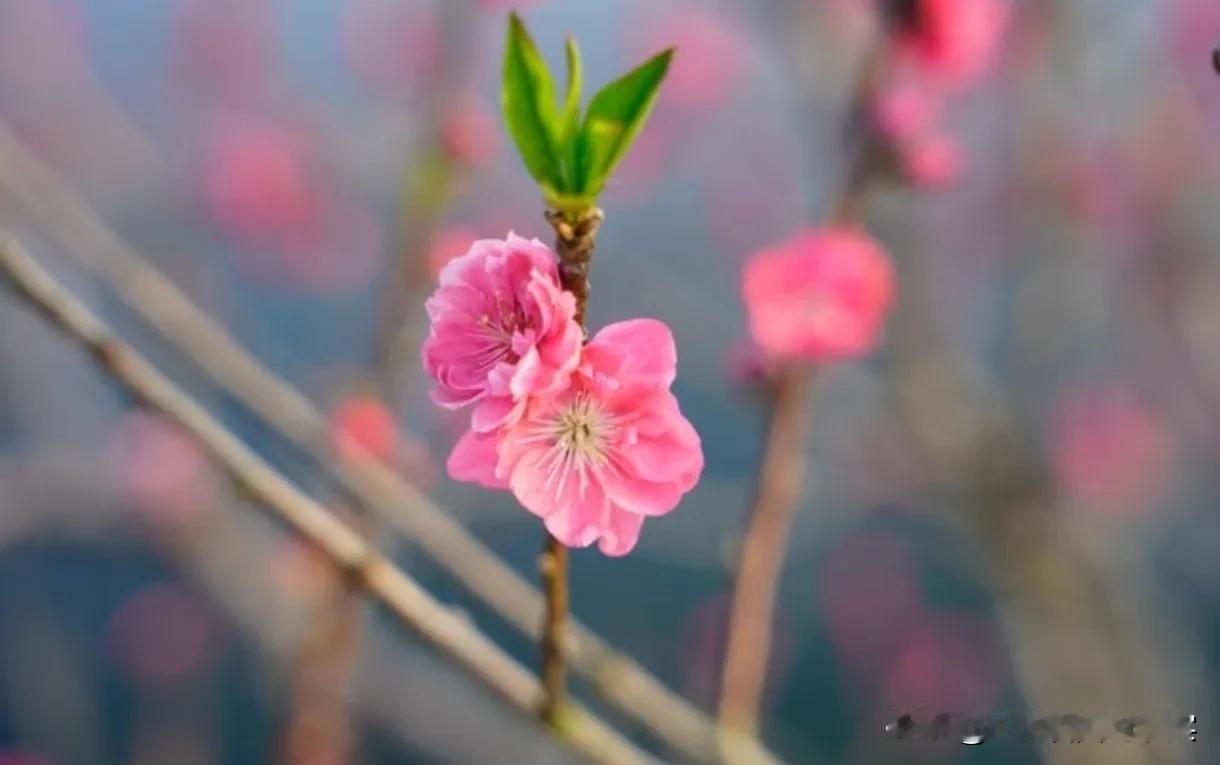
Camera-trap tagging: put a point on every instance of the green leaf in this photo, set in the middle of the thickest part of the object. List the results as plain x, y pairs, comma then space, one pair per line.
528, 98
570, 120
616, 116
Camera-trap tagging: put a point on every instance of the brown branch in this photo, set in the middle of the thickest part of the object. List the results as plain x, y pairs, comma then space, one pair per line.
438, 625
575, 238
553, 565
781, 471
62, 214
780, 482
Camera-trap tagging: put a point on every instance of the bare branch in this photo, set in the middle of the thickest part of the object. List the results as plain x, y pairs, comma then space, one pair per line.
616, 677
438, 625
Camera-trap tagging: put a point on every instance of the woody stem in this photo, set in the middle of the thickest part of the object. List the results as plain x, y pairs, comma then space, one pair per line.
575, 236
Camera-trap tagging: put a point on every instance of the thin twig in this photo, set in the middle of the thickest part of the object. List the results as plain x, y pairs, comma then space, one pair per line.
781, 471
780, 482
65, 217
438, 625
554, 569
575, 240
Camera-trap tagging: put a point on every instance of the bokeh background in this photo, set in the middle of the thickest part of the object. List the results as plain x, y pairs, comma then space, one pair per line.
282, 161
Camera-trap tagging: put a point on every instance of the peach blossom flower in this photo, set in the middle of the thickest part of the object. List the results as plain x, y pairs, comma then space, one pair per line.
608, 451
362, 427
953, 41
822, 295
502, 327
933, 161
1110, 452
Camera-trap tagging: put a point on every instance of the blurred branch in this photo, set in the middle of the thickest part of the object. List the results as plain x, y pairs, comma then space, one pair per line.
1071, 646
438, 625
781, 473
616, 677
396, 687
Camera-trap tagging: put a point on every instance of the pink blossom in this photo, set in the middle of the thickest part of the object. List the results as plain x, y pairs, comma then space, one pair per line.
710, 59
162, 633
448, 244
597, 458
933, 161
390, 43
906, 109
502, 328
822, 295
258, 178
469, 135
1110, 452
953, 41
362, 427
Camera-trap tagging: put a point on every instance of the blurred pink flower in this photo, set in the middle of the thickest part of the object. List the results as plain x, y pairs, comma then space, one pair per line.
265, 184
945, 663
161, 633
501, 327
470, 135
363, 427
933, 161
953, 41
221, 47
448, 244
709, 60
596, 459
821, 296
906, 109
163, 472
871, 598
391, 43
1109, 451
15, 757
257, 178
42, 43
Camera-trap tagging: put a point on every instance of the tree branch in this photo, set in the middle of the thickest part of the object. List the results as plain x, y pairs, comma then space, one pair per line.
414, 606
615, 676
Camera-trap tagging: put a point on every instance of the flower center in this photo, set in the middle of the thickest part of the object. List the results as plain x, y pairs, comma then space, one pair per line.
582, 429
577, 436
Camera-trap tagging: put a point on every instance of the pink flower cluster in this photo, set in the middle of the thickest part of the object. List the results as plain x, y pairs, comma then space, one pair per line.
821, 296
940, 48
587, 436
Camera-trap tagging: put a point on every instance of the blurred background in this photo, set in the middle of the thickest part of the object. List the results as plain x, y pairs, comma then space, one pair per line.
303, 169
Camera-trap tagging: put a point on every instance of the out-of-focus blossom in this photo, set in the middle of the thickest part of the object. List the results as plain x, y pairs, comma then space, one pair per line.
390, 43
870, 596
952, 41
710, 55
469, 135
934, 161
42, 43
821, 296
596, 459
221, 47
163, 472
1110, 452
363, 427
904, 111
12, 757
447, 244
161, 634
257, 179
502, 327
265, 186
944, 663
